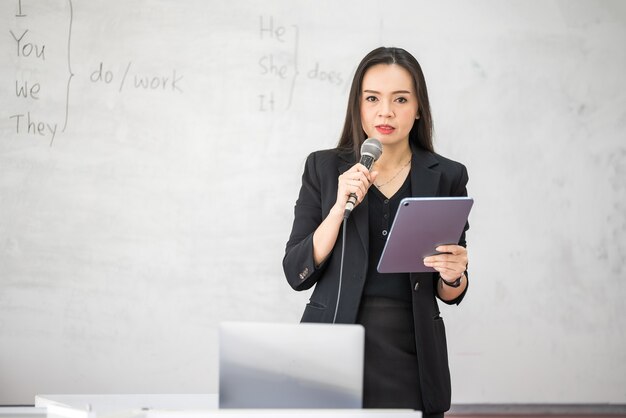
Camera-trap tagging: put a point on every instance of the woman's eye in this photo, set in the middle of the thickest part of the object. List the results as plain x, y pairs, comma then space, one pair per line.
401, 100
371, 99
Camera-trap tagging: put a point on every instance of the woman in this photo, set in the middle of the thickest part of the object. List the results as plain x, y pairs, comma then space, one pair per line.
406, 363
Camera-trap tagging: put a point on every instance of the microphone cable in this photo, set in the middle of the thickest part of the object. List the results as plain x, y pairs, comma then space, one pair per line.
343, 250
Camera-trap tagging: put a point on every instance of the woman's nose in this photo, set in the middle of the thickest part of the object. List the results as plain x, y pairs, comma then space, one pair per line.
385, 109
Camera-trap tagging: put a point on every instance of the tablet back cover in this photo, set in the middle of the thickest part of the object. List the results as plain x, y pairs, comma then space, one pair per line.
420, 226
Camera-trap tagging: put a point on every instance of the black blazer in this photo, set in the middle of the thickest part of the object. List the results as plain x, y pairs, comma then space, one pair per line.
431, 175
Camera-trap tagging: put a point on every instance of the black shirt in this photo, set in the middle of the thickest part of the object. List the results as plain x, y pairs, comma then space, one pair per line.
382, 211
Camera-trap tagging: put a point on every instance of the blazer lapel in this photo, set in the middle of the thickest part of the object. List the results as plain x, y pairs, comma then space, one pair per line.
424, 179
361, 221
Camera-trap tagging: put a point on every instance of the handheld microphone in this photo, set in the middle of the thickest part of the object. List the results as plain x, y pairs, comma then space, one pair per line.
371, 150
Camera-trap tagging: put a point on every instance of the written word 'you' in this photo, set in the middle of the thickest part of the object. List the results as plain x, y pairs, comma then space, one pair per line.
27, 48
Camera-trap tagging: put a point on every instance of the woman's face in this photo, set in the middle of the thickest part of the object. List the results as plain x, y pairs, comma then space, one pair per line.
388, 103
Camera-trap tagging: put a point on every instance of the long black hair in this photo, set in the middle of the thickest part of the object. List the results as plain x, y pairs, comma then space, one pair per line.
422, 131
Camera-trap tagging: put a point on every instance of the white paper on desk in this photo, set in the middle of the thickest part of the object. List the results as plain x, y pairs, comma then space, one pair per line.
66, 411
110, 403
119, 406
56, 410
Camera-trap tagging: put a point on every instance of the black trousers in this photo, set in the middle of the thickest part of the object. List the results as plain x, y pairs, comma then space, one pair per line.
391, 374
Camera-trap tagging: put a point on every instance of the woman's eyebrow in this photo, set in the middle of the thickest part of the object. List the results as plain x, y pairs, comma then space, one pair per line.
393, 92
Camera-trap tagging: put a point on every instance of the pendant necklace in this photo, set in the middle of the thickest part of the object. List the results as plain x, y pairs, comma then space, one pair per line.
395, 175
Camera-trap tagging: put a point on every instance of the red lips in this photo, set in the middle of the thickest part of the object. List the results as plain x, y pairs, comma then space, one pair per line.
385, 129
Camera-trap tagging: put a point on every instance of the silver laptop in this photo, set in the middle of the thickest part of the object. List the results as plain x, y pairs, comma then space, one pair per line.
271, 365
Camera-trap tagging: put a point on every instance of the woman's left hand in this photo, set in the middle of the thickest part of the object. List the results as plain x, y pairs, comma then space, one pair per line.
450, 265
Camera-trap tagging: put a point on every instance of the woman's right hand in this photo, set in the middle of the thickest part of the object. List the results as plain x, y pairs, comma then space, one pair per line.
356, 180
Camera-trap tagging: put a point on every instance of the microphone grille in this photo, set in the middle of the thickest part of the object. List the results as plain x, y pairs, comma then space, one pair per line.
373, 147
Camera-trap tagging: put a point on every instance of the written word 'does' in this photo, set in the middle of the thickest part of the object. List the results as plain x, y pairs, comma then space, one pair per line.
332, 77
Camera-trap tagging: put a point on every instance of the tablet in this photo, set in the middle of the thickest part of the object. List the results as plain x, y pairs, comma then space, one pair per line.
420, 226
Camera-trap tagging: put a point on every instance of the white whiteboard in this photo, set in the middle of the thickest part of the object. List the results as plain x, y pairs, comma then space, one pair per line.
162, 204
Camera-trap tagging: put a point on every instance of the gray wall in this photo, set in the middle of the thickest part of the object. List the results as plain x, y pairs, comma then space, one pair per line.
155, 213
